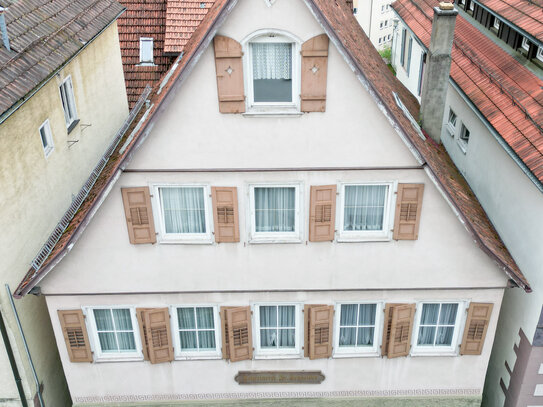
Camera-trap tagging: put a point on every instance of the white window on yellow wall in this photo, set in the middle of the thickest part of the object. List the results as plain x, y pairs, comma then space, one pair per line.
146, 50
46, 138
68, 102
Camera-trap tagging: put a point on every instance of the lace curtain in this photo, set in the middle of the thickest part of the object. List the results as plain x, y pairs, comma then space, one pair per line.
184, 210
115, 330
437, 323
275, 209
277, 326
357, 324
364, 207
196, 328
272, 60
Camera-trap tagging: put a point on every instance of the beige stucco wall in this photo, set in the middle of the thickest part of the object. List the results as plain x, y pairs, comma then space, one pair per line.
37, 190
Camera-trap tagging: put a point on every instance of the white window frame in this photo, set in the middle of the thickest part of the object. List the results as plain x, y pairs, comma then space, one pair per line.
276, 237
370, 235
47, 149
188, 355
451, 128
144, 40
471, 6
188, 238
92, 329
497, 23
355, 351
525, 44
68, 87
453, 349
277, 36
539, 54
293, 353
462, 142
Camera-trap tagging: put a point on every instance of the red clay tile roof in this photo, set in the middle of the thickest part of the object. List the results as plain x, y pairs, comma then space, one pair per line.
44, 34
506, 93
346, 33
182, 18
525, 14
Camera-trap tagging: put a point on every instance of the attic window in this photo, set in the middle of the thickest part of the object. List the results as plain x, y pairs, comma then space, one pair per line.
46, 138
146, 51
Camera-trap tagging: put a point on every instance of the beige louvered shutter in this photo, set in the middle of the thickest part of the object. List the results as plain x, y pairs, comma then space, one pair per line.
307, 325
389, 307
322, 213
320, 331
476, 327
224, 332
74, 330
314, 72
159, 338
139, 215
140, 314
239, 333
408, 208
401, 328
225, 214
229, 66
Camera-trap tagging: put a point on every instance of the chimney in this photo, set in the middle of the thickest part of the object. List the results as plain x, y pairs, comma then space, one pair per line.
3, 29
438, 67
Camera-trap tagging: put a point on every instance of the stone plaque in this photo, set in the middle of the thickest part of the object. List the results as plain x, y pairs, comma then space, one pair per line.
279, 377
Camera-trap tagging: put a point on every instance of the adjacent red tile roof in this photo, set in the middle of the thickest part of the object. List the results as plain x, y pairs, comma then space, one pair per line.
525, 14
506, 93
182, 18
43, 35
340, 25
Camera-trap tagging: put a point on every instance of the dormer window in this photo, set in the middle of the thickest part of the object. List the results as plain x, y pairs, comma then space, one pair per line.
146, 51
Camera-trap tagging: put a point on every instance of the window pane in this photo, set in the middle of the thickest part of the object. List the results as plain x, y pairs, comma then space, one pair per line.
188, 339
426, 335
275, 209
444, 335
448, 314
107, 341
366, 315
429, 314
185, 318
365, 336
364, 207
43, 137
287, 315
268, 338
184, 210
126, 341
205, 318
206, 339
272, 72
348, 314
103, 319
268, 316
347, 336
123, 322
286, 338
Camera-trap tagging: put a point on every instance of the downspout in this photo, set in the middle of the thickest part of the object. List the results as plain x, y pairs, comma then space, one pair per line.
38, 391
12, 362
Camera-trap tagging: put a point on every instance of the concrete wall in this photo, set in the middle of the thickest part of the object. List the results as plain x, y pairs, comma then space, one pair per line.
37, 190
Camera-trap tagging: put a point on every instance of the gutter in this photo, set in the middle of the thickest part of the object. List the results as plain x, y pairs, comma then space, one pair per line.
5, 115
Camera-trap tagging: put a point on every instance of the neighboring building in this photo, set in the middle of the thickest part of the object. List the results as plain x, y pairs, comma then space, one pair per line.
492, 128
376, 19
276, 208
62, 99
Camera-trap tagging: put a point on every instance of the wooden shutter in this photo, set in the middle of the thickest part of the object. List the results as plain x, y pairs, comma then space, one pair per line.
476, 327
322, 213
229, 66
74, 330
158, 335
140, 314
225, 214
139, 215
387, 326
401, 327
307, 325
239, 333
224, 332
408, 207
314, 71
320, 331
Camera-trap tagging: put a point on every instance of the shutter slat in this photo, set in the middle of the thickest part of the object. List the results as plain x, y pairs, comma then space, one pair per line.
240, 340
320, 331
229, 69
158, 335
401, 327
225, 214
139, 215
75, 334
322, 213
475, 329
408, 210
314, 73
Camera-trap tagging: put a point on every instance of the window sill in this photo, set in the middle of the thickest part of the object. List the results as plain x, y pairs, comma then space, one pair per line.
273, 111
115, 359
451, 130
264, 240
446, 353
463, 146
356, 355
362, 239
72, 125
198, 357
278, 356
146, 64
192, 242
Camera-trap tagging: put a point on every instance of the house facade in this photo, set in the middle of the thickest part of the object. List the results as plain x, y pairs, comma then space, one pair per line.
496, 150
376, 19
276, 223
62, 100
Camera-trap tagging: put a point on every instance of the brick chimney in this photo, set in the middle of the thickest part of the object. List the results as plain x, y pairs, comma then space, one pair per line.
3, 29
438, 67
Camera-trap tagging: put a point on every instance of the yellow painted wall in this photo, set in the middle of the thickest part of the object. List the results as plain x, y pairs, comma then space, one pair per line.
36, 191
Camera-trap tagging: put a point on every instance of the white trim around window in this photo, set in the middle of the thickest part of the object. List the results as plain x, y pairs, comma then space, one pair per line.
170, 228
111, 356
194, 330
146, 51
275, 328
348, 233
46, 137
540, 53
285, 236
451, 122
67, 100
358, 349
438, 325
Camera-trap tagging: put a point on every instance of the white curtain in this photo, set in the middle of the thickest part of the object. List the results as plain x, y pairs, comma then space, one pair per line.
364, 207
115, 330
357, 324
275, 209
277, 326
272, 60
184, 210
436, 332
196, 328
